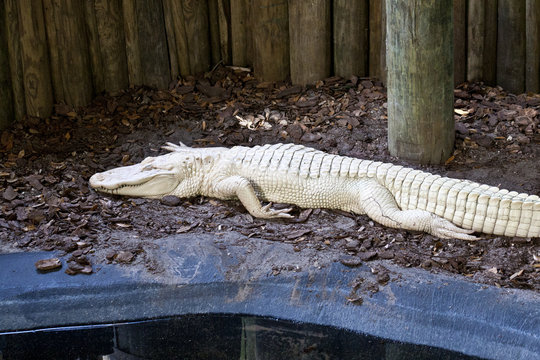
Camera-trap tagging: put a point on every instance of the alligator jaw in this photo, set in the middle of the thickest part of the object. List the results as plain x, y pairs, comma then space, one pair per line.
136, 180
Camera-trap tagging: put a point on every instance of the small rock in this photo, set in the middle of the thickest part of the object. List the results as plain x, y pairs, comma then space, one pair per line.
10, 193
368, 255
125, 257
383, 278
350, 261
352, 245
171, 200
48, 264
522, 139
386, 255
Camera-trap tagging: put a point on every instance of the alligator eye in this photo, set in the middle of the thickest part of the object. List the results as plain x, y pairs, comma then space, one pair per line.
148, 167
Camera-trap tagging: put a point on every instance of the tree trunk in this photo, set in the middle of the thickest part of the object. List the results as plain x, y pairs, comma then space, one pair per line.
271, 40
35, 59
511, 46
351, 48
309, 29
420, 80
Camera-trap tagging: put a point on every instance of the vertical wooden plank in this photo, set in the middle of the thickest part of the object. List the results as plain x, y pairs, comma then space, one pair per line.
511, 45
460, 41
351, 27
54, 50
490, 43
112, 44
239, 43
98, 74
420, 103
271, 36
152, 43
171, 39
475, 39
133, 52
215, 44
35, 60
7, 115
198, 37
224, 20
14, 53
310, 36
377, 39
532, 61
73, 52
180, 37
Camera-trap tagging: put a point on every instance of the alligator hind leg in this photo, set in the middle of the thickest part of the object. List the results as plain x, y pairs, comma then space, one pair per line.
241, 188
380, 205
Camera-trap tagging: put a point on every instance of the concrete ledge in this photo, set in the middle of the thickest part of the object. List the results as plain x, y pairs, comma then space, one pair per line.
233, 275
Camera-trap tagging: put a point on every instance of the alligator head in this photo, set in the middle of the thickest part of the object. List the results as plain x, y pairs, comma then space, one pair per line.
154, 177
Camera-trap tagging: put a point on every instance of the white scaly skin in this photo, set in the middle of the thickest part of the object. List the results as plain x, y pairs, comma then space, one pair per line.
286, 173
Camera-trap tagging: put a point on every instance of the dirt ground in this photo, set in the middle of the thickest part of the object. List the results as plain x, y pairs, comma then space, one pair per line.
46, 203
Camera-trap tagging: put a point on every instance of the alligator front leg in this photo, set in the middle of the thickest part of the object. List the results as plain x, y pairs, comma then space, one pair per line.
240, 187
380, 205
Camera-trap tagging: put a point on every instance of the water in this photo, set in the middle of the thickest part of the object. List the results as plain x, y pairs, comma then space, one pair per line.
209, 337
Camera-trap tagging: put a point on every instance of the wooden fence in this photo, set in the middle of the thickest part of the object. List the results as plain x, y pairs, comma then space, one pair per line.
69, 50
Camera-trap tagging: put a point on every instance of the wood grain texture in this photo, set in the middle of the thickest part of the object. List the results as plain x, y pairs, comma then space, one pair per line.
239, 29
490, 43
475, 39
420, 103
197, 35
271, 36
152, 43
224, 20
460, 41
351, 46
511, 45
213, 15
377, 39
6, 96
171, 39
133, 52
112, 43
15, 61
37, 80
532, 60
310, 37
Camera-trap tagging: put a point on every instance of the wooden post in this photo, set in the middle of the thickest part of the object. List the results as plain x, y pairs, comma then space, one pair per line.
152, 43
35, 60
6, 96
271, 40
490, 43
460, 41
112, 44
190, 21
532, 61
309, 31
213, 14
224, 20
239, 30
351, 48
73, 52
377, 39
475, 40
511, 45
420, 79
15, 61
133, 52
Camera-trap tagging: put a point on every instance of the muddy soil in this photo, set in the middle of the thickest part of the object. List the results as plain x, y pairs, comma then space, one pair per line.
46, 203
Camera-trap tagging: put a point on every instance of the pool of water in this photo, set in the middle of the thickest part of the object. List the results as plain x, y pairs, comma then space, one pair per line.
209, 337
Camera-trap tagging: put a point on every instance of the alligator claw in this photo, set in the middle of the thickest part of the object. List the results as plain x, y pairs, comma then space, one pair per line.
268, 212
445, 229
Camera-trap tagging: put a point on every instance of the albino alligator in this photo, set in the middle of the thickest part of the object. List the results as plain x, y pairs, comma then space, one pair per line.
392, 195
